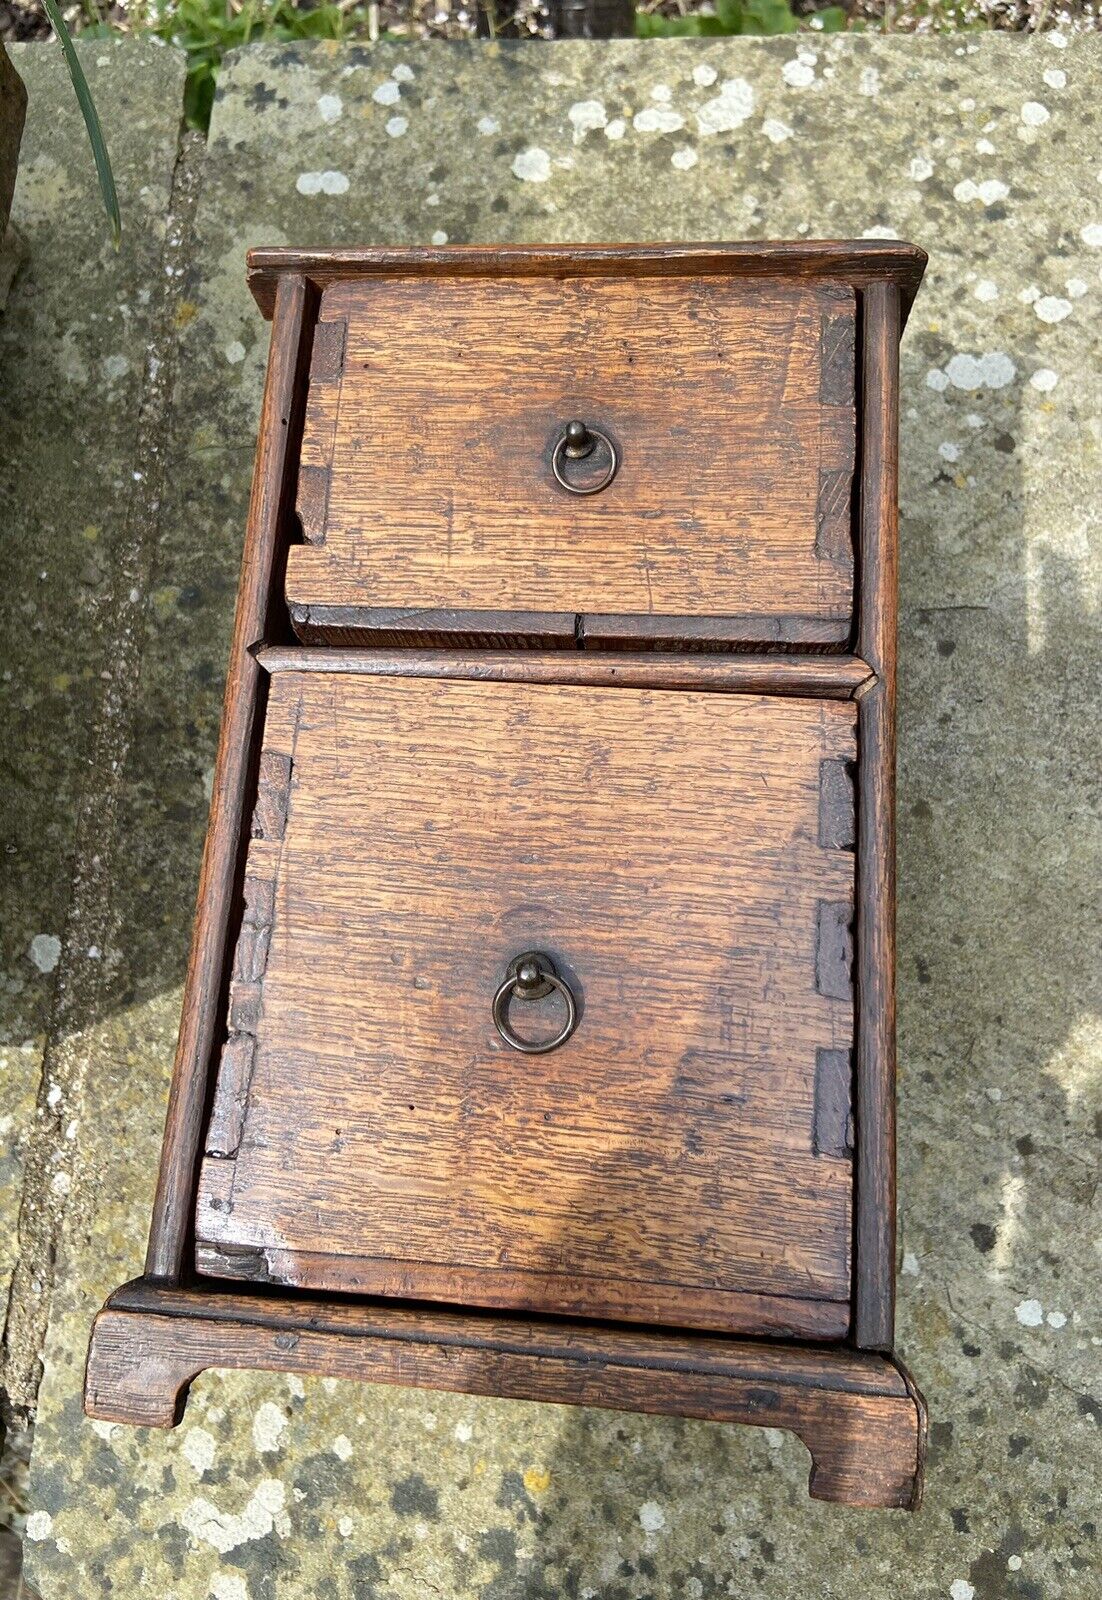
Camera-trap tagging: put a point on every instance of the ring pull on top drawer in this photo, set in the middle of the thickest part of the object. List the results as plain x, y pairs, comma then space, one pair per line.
611, 461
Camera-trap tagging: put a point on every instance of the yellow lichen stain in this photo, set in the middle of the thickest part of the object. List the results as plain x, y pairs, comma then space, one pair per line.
536, 1480
960, 480
479, 1468
186, 312
205, 437
91, 533
61, 683
164, 601
934, 1323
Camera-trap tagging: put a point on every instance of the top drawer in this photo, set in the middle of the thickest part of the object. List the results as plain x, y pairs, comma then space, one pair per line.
430, 492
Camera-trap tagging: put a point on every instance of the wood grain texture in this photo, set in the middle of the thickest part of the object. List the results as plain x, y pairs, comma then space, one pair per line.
858, 1415
664, 850
568, 1294
860, 262
262, 566
836, 1368
874, 1242
831, 677
429, 498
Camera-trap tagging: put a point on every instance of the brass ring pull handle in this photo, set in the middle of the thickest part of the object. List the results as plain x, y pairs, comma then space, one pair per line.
530, 976
579, 443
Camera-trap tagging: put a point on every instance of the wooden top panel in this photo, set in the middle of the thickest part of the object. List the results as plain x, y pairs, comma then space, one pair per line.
685, 859
426, 483
859, 262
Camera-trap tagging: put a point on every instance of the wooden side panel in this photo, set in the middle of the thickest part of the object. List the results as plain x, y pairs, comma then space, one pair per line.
664, 849
874, 1297
256, 620
428, 498
231, 1092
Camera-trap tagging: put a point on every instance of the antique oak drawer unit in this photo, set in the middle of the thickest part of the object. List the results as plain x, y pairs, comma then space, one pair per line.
538, 1034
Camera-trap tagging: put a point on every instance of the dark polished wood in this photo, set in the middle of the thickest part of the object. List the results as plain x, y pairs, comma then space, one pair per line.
432, 627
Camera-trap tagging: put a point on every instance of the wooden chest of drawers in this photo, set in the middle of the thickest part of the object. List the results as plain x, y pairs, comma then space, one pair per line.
539, 1032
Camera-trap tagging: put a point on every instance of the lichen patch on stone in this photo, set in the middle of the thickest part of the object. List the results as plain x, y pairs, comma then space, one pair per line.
225, 1530
728, 110
532, 165
328, 182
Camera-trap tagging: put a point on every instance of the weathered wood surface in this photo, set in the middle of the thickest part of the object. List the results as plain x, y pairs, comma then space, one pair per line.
858, 1415
426, 493
664, 849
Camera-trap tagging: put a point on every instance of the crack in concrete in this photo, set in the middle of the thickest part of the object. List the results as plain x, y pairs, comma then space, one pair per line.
993, 1333
51, 1155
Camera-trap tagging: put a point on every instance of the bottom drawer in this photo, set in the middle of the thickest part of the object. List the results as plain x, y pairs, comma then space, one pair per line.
683, 864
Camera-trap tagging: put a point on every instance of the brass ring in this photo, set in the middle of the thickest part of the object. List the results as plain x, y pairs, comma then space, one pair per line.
529, 976
568, 446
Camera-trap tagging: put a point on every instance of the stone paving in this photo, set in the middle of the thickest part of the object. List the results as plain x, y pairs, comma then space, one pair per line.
984, 150
74, 355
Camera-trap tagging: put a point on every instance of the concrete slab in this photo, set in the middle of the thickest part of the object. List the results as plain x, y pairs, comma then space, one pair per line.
76, 341
977, 148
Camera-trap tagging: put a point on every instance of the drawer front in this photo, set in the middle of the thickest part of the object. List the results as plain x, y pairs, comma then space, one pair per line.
434, 444
684, 861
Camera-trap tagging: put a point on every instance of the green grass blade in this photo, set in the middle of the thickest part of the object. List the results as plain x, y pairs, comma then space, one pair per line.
91, 120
